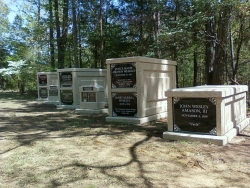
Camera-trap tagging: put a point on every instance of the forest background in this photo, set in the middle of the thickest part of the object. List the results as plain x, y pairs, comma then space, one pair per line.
208, 39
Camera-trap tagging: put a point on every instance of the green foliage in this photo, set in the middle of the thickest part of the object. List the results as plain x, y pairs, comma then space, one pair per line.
4, 26
174, 30
19, 75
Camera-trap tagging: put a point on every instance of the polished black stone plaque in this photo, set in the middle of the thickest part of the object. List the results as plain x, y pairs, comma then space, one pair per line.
53, 92
88, 97
196, 115
53, 87
42, 80
124, 104
123, 75
92, 97
88, 88
85, 97
43, 92
67, 97
66, 79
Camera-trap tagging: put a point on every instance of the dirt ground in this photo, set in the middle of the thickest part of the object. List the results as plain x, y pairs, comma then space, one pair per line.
41, 146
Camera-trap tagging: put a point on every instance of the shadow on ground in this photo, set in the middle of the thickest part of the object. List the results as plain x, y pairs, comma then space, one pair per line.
36, 120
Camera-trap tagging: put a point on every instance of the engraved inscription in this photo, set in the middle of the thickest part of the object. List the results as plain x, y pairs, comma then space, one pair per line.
53, 92
88, 97
42, 80
195, 115
124, 104
66, 79
43, 92
92, 97
67, 97
88, 88
123, 75
53, 87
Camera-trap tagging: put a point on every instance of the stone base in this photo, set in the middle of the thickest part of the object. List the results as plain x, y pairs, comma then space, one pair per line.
42, 99
52, 102
217, 140
70, 107
92, 111
136, 121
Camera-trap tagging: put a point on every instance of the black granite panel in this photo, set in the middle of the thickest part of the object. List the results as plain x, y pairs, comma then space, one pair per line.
92, 97
88, 97
88, 88
67, 97
85, 97
124, 104
42, 79
53, 92
195, 115
43, 92
123, 75
66, 79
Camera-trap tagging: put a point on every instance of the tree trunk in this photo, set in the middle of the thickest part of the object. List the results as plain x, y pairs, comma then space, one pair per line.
210, 50
79, 40
58, 32
195, 82
175, 49
75, 41
61, 36
63, 40
51, 36
232, 78
140, 49
156, 22
221, 49
96, 54
102, 61
38, 48
235, 61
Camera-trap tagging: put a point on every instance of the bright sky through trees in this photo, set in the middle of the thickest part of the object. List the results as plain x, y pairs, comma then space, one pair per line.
13, 9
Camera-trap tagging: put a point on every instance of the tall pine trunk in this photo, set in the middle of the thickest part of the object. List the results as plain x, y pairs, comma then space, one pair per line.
221, 47
61, 37
210, 47
102, 60
51, 36
75, 41
236, 58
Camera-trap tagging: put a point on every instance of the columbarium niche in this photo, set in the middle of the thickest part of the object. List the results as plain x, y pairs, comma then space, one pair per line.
72, 79
46, 81
92, 100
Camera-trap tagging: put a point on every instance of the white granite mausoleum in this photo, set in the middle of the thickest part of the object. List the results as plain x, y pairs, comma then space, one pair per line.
136, 88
